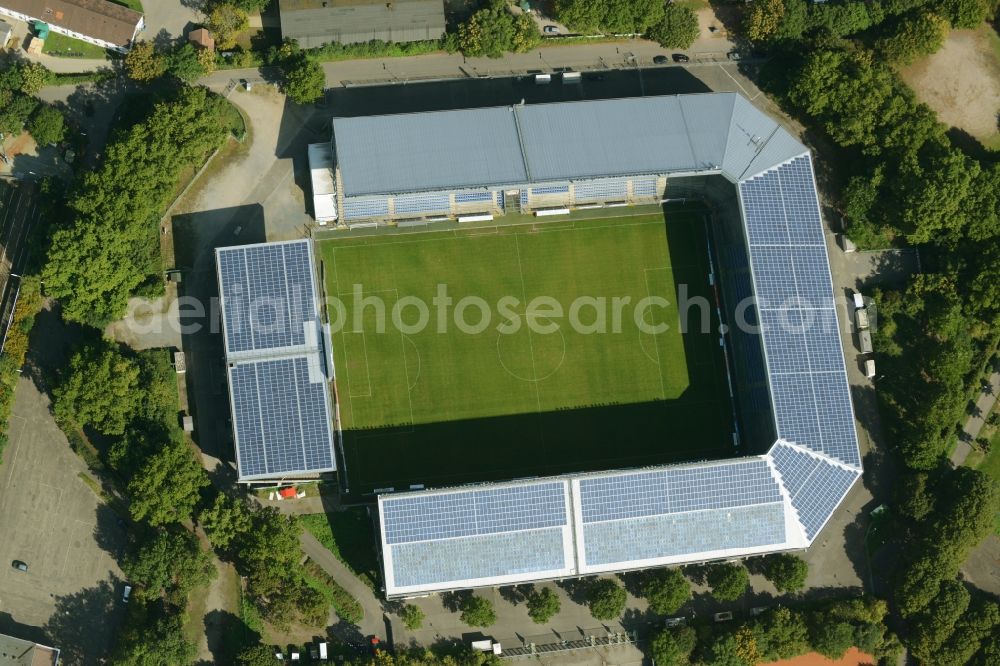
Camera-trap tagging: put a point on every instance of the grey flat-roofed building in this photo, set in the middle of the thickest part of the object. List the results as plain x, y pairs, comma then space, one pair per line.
314, 23
20, 652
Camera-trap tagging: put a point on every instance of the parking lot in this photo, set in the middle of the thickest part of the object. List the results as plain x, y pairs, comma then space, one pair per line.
53, 521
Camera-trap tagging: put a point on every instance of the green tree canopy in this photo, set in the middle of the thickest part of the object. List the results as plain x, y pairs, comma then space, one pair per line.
183, 62
676, 29
304, 79
166, 489
478, 611
412, 616
832, 638
111, 244
673, 646
161, 643
143, 63
932, 627
967, 13
666, 591
47, 125
256, 655
226, 21
225, 520
101, 389
493, 31
788, 572
171, 563
917, 34
764, 19
543, 604
781, 634
606, 599
728, 580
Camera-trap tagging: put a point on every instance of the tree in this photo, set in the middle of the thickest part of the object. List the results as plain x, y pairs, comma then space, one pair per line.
724, 650
918, 34
256, 655
931, 628
162, 643
171, 563
412, 616
226, 520
100, 390
606, 599
666, 591
728, 581
832, 639
166, 489
781, 634
678, 28
673, 646
183, 62
143, 63
493, 30
966, 13
111, 243
764, 19
226, 21
914, 500
46, 125
304, 79
788, 572
15, 109
250, 6
33, 77
543, 604
477, 612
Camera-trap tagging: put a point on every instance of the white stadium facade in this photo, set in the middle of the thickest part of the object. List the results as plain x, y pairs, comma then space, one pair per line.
791, 387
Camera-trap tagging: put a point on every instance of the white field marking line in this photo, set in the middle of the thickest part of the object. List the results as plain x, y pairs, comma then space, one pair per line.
531, 346
364, 345
17, 448
656, 346
420, 363
540, 379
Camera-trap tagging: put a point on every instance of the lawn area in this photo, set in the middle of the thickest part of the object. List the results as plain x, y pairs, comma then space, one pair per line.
989, 464
131, 4
348, 535
68, 47
479, 393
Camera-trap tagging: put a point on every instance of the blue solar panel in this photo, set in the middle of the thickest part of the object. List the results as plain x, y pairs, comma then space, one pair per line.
794, 292
821, 494
680, 489
267, 295
794, 467
475, 512
282, 423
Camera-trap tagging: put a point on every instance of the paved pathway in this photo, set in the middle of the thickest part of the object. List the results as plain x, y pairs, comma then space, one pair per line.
374, 622
974, 424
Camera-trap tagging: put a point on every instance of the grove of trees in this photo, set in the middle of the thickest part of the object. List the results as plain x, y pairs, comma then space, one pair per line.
493, 30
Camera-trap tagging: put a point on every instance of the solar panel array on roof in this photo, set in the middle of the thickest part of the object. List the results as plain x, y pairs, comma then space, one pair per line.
815, 486
276, 360
512, 532
267, 295
794, 291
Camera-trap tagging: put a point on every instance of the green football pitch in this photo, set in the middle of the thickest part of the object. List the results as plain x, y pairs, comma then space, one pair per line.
523, 350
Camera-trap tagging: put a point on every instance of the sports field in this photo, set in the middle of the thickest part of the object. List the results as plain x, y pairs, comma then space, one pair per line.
533, 353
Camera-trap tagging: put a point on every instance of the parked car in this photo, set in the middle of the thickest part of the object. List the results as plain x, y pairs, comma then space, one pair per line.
551, 30
733, 55
680, 57
660, 60
127, 593
19, 565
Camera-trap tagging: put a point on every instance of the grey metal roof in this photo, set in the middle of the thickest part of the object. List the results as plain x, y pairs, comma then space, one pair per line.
443, 150
428, 151
316, 22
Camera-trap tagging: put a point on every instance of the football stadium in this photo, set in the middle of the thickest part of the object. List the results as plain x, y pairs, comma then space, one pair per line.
556, 340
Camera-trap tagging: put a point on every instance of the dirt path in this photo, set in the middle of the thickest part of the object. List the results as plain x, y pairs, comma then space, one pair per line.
961, 82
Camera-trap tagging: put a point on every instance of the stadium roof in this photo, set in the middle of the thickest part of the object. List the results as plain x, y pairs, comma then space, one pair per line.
317, 22
277, 360
596, 523
497, 146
